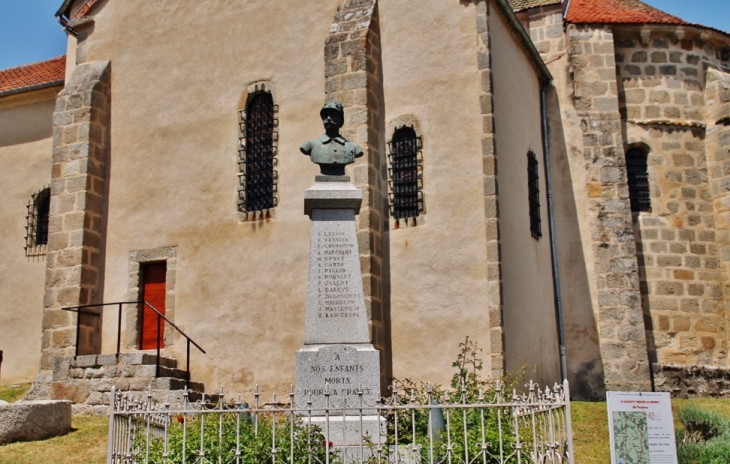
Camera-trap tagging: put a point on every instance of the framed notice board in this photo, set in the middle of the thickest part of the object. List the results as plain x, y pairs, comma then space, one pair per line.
641, 428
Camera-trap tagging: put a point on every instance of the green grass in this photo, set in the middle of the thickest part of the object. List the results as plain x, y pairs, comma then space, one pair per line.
85, 444
12, 393
590, 432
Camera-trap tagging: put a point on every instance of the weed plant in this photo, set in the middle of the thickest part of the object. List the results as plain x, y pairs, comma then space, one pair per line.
463, 433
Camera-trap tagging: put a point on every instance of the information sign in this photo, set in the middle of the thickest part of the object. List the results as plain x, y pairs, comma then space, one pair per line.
641, 428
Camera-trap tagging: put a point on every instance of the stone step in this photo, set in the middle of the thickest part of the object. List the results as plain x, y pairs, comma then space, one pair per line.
147, 359
170, 383
135, 359
87, 380
174, 373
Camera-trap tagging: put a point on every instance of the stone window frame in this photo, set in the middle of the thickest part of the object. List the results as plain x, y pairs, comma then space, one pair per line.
639, 195
37, 222
251, 92
132, 312
533, 194
410, 121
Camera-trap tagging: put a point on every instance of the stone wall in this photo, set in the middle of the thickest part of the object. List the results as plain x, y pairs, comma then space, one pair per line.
662, 80
545, 25
75, 259
491, 210
717, 98
684, 381
619, 312
353, 73
662, 88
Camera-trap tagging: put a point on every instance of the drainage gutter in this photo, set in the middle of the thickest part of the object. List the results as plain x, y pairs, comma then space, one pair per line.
551, 224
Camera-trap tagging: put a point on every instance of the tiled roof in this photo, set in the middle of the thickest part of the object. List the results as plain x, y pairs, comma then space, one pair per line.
62, 13
31, 75
618, 12
518, 5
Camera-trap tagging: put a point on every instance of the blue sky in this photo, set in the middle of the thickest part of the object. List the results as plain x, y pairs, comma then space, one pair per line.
29, 32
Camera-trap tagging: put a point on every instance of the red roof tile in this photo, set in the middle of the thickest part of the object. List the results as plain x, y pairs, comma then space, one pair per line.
29, 75
618, 12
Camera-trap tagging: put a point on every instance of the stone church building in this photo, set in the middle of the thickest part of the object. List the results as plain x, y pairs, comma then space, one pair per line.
547, 178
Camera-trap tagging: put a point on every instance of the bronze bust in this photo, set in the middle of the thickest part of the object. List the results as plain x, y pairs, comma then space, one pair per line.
331, 150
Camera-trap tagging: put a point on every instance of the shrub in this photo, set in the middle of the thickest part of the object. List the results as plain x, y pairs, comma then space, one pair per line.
705, 438
221, 432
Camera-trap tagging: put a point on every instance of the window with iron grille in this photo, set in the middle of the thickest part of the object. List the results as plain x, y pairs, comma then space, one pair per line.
257, 154
533, 193
406, 188
638, 178
36, 230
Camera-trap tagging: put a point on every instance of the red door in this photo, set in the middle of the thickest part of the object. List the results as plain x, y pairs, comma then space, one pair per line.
153, 292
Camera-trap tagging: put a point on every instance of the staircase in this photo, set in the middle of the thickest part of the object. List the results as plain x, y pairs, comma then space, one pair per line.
87, 381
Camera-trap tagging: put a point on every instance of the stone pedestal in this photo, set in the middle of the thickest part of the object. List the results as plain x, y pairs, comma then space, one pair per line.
337, 367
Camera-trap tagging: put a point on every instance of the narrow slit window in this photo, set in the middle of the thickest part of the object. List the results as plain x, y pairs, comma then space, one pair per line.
36, 230
637, 171
406, 192
257, 160
533, 192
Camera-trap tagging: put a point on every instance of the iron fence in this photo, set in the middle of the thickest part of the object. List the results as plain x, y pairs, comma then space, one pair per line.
421, 425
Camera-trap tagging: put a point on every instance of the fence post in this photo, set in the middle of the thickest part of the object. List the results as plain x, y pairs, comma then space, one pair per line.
112, 420
569, 422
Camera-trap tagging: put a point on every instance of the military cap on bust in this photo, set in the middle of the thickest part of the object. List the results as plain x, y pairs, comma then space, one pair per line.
333, 106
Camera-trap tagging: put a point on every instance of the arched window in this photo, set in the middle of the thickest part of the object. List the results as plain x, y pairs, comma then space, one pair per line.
36, 230
638, 179
406, 195
258, 178
533, 193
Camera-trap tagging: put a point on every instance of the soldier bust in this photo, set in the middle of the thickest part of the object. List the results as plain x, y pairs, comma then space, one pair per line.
331, 150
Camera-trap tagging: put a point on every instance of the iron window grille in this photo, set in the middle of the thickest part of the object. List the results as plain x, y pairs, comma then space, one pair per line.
36, 229
258, 177
406, 169
533, 193
637, 172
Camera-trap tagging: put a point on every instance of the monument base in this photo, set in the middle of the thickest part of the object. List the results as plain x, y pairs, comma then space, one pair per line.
332, 377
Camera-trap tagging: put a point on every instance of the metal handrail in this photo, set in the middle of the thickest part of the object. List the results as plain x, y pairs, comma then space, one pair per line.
159, 338
78, 309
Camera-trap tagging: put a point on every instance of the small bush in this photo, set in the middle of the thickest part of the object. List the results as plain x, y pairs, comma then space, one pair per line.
701, 424
705, 438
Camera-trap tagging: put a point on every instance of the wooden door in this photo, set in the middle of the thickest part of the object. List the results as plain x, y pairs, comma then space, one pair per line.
153, 292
